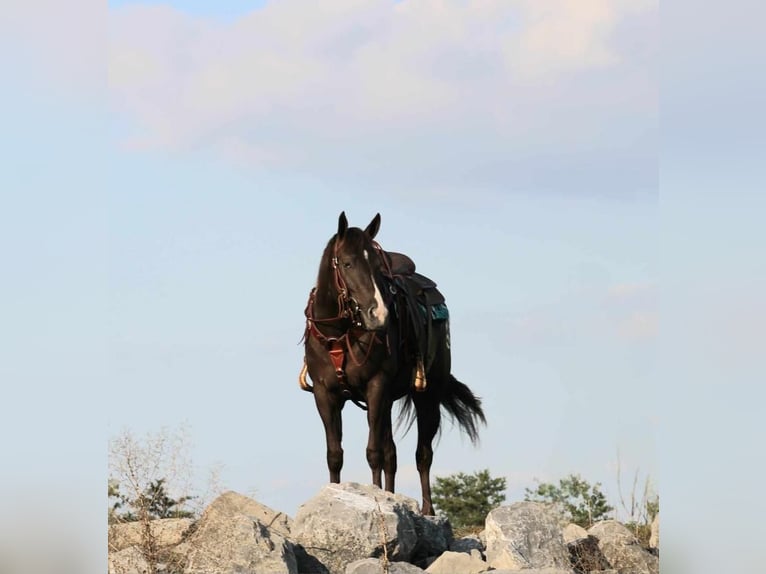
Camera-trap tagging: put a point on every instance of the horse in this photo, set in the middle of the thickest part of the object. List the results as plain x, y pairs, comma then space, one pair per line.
357, 348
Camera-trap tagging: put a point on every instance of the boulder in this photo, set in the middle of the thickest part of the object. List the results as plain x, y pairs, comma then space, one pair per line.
467, 544
348, 522
434, 536
586, 556
230, 538
622, 549
451, 562
525, 535
129, 560
573, 532
376, 566
539, 571
164, 532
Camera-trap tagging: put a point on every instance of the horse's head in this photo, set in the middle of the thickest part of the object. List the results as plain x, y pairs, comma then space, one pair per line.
356, 264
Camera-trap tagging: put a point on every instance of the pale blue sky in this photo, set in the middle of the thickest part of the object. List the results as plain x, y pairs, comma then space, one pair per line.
134, 229
521, 175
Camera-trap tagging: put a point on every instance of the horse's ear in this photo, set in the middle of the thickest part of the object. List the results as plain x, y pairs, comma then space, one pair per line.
373, 227
342, 225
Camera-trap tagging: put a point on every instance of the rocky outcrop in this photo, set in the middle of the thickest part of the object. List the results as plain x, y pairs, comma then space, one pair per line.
451, 562
356, 529
128, 561
230, 538
525, 535
163, 533
377, 566
467, 544
584, 553
622, 549
370, 522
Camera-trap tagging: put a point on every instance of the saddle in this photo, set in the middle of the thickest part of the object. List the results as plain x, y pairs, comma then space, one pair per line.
418, 303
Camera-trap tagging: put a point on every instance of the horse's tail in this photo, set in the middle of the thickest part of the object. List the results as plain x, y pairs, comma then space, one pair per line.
460, 404
463, 407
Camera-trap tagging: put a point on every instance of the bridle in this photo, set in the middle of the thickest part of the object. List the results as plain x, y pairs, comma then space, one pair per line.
350, 322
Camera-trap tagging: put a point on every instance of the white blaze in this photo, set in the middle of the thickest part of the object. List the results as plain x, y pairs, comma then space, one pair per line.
381, 312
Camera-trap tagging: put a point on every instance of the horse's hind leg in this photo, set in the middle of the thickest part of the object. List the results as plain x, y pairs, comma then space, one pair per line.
329, 406
429, 418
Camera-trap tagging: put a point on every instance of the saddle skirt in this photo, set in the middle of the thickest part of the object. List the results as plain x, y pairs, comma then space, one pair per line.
418, 304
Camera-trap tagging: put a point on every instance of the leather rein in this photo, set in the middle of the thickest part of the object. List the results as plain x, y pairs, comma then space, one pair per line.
348, 313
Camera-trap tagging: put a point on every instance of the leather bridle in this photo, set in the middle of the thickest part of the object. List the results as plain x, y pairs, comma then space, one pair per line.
349, 318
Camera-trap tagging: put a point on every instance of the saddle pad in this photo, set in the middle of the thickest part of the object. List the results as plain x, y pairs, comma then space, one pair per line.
439, 312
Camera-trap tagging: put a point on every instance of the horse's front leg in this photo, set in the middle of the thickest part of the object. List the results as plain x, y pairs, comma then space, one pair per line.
381, 450
330, 406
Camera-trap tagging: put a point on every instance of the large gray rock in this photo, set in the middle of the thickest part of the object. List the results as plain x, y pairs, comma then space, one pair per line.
163, 533
586, 556
230, 538
128, 561
525, 535
573, 532
375, 566
434, 534
348, 522
452, 562
622, 549
538, 571
467, 544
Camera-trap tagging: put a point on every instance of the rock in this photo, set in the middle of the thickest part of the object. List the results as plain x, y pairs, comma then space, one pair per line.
451, 562
467, 544
230, 538
538, 571
129, 560
654, 536
525, 535
586, 556
574, 532
375, 566
434, 536
164, 532
347, 522
231, 502
622, 549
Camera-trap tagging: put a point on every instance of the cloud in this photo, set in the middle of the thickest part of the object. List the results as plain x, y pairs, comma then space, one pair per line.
633, 306
479, 90
639, 326
624, 291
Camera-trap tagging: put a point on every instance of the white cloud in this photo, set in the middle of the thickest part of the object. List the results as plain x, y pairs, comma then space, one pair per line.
480, 83
623, 291
639, 326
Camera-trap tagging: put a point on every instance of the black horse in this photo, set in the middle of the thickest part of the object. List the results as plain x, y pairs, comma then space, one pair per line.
359, 347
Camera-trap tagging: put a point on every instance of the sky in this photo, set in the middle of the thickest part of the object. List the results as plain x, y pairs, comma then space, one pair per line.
510, 149
171, 172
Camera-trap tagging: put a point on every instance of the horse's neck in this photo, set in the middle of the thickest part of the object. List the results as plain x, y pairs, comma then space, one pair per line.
326, 303
325, 309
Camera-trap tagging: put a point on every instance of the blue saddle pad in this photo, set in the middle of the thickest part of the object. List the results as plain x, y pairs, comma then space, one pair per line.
439, 312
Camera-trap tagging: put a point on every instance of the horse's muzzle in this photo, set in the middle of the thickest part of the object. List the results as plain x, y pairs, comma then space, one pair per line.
374, 317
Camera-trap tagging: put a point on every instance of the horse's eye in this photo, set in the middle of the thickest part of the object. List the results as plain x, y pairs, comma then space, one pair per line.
346, 265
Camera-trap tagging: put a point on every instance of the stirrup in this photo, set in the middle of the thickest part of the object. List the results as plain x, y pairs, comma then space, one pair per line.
302, 378
420, 377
